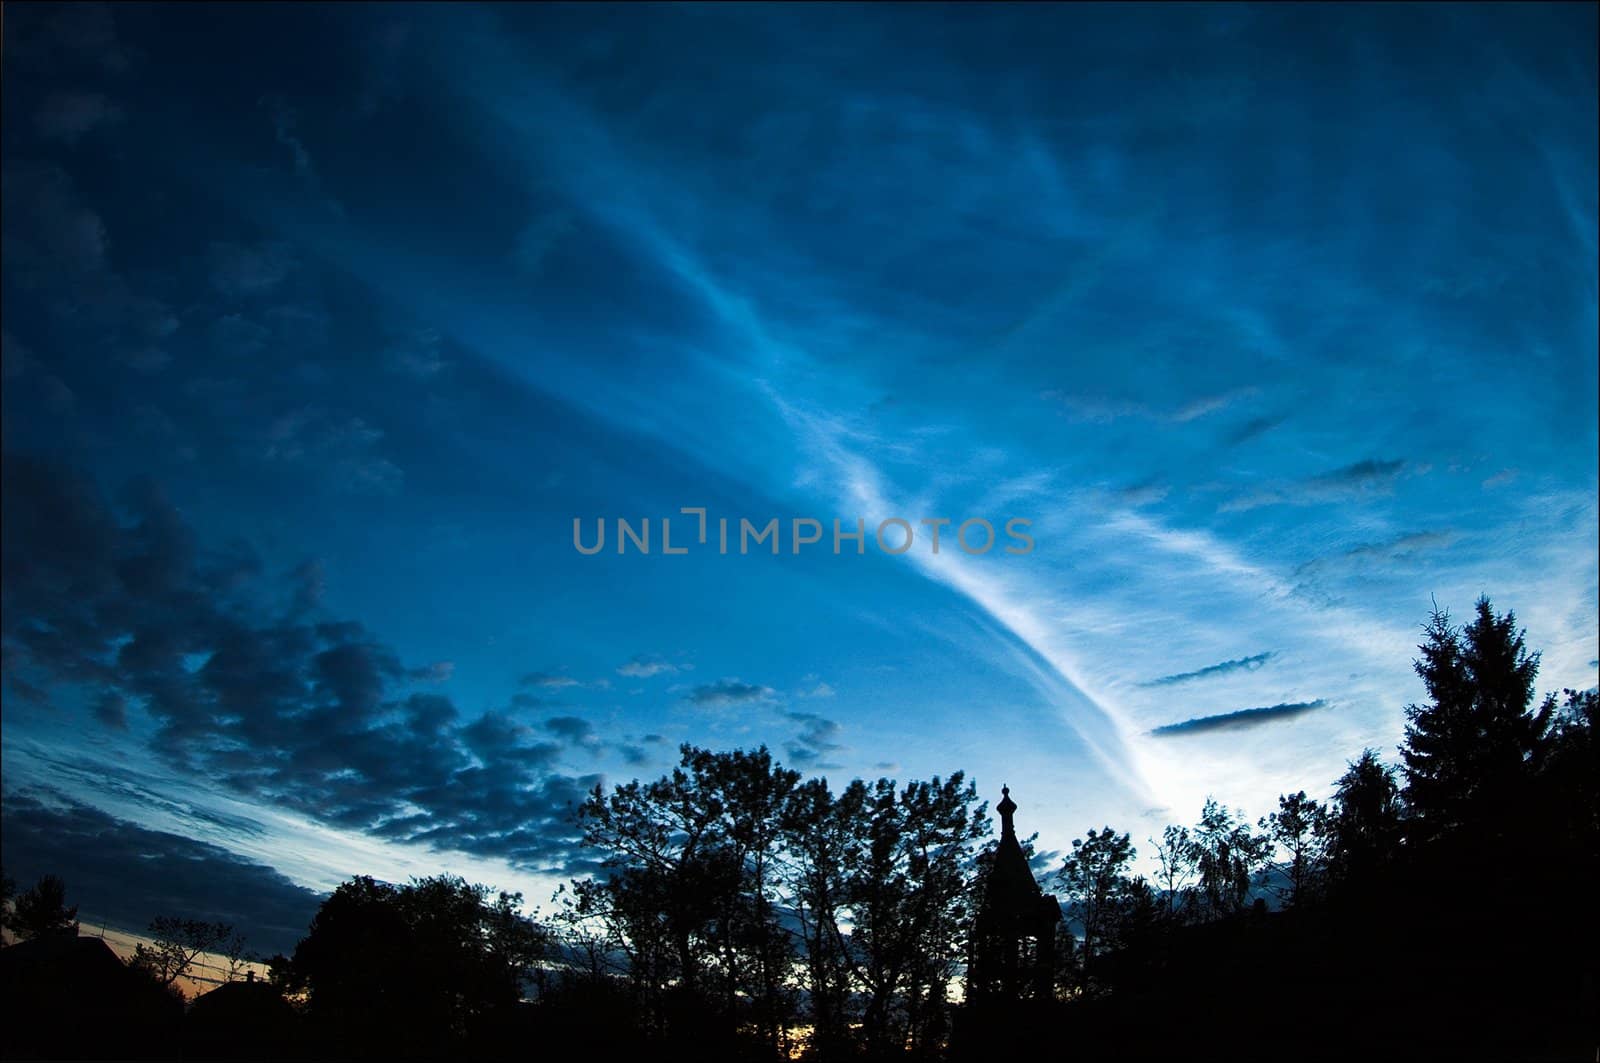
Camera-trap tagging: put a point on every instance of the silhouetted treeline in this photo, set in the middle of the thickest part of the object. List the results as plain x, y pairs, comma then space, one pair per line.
1439, 906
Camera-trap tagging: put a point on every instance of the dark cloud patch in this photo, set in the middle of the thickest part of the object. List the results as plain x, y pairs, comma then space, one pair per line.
1045, 861
1146, 492
1363, 478
1258, 426
548, 681
570, 728
1239, 664
480, 810
125, 875
250, 687
1361, 474
112, 710
647, 749
1402, 546
437, 672
1241, 720
728, 692
1401, 549
818, 739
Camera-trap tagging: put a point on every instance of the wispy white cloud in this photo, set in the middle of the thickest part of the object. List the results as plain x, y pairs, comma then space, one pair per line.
782, 385
644, 666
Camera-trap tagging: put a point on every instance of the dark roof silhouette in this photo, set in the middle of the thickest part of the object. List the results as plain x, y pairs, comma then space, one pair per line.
242, 1000
82, 1001
87, 962
241, 1020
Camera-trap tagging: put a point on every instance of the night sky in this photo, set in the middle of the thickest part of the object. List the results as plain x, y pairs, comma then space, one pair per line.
322, 324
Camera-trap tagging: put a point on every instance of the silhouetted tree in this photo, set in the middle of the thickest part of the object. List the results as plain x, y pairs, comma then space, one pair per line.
700, 862
356, 965
1469, 751
1099, 894
235, 955
757, 954
405, 970
582, 949
909, 902
513, 944
42, 910
1300, 829
689, 893
737, 902
8, 890
1141, 916
1175, 871
1571, 765
1568, 793
819, 843
280, 972
176, 944
1364, 824
1225, 855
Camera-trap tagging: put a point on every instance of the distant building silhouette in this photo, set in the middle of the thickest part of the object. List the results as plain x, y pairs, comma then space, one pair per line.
1014, 934
242, 1020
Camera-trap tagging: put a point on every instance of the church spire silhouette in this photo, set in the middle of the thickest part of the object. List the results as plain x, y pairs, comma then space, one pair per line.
1015, 930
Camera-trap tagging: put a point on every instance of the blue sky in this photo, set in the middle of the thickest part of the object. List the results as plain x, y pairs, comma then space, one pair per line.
324, 323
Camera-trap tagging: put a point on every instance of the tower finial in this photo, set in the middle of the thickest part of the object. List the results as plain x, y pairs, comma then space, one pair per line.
1006, 807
